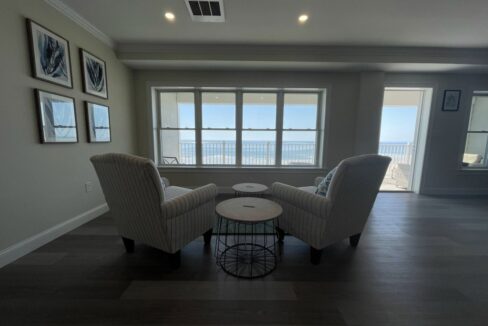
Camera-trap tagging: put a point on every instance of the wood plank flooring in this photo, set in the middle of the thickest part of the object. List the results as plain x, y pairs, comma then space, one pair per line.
421, 261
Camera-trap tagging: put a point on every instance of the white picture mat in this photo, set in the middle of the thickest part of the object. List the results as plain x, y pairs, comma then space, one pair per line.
38, 70
65, 108
98, 116
85, 56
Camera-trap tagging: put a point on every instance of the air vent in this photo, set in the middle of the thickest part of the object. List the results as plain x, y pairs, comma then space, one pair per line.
206, 11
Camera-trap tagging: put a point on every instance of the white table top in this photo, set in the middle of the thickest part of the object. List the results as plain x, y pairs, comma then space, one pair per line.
249, 209
253, 188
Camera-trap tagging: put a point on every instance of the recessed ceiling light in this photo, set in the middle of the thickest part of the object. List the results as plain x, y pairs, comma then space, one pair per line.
302, 19
169, 16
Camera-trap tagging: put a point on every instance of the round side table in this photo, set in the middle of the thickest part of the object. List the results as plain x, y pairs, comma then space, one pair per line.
246, 236
249, 189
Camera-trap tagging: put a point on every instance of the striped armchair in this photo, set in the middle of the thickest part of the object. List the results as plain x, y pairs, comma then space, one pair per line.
321, 221
148, 209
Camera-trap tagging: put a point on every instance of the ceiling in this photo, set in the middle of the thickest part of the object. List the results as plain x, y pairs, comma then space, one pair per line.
424, 23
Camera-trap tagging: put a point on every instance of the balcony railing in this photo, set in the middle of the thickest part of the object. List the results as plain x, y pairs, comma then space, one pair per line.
400, 153
264, 153
253, 153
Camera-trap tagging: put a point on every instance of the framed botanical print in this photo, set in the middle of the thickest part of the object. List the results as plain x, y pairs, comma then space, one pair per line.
451, 100
50, 56
56, 118
98, 123
94, 74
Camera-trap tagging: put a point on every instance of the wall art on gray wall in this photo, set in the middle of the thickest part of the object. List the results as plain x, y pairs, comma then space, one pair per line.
451, 100
56, 117
94, 74
50, 56
98, 123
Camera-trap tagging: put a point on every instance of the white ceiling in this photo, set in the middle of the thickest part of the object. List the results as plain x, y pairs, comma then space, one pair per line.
424, 23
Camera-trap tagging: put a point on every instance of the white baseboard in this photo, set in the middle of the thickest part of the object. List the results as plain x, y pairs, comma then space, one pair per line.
28, 245
455, 191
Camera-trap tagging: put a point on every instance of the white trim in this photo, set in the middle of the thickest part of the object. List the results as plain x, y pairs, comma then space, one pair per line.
454, 191
28, 245
82, 22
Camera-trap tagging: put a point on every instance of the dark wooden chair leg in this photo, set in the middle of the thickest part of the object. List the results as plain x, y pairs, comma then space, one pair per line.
354, 240
175, 259
281, 234
129, 244
207, 237
315, 255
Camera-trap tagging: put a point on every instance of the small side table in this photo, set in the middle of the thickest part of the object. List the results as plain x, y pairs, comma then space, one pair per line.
249, 189
246, 236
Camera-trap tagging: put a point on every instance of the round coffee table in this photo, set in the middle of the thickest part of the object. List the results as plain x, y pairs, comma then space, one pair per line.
246, 236
249, 189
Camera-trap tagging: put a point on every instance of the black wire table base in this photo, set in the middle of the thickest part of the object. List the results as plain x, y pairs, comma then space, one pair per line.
246, 250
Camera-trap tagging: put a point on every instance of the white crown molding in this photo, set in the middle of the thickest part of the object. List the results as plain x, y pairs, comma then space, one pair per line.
82, 22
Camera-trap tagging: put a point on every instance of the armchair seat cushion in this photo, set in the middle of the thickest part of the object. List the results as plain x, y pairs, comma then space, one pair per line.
174, 191
310, 189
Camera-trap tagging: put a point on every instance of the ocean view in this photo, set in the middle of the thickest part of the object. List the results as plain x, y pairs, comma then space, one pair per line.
264, 152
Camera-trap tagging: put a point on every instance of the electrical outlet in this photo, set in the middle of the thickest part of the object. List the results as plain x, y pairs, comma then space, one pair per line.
88, 186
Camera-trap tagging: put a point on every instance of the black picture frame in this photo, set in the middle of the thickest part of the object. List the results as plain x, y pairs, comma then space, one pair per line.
91, 80
451, 100
59, 71
89, 117
44, 130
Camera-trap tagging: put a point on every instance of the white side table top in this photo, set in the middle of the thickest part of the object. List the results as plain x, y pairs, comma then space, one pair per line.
249, 209
251, 188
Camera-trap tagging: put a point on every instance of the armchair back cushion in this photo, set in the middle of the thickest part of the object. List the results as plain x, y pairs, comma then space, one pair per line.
133, 191
352, 193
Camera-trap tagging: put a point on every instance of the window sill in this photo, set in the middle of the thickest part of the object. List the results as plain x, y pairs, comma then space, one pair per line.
241, 169
474, 170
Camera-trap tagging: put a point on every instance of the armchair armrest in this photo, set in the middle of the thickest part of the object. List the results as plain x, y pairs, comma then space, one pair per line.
184, 203
318, 180
314, 204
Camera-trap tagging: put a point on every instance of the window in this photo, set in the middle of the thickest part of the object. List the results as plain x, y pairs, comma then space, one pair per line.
299, 129
177, 131
218, 128
239, 128
476, 150
259, 129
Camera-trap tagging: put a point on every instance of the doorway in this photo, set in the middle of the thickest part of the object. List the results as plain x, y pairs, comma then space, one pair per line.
404, 123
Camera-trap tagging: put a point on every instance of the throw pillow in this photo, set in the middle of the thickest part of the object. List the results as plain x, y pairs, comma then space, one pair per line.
323, 186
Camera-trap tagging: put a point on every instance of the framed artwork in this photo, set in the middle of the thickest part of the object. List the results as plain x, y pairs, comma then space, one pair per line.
451, 100
98, 123
56, 118
94, 75
50, 56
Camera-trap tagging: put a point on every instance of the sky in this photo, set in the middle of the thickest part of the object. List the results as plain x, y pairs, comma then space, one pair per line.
397, 123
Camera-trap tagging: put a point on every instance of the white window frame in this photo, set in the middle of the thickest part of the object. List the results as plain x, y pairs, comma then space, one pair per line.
319, 130
483, 167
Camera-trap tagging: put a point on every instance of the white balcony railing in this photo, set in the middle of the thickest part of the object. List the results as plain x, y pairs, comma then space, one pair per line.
264, 153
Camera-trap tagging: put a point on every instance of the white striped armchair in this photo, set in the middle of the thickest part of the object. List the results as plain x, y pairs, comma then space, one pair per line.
146, 208
321, 221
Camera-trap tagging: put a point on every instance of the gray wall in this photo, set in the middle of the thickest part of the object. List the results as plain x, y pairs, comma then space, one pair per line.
353, 122
43, 185
442, 173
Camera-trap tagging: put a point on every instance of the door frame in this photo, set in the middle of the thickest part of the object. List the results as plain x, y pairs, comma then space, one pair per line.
422, 126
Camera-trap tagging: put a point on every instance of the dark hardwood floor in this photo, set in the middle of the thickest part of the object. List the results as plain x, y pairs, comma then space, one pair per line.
420, 261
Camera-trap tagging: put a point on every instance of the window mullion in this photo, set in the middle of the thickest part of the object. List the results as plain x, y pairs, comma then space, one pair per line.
280, 101
198, 127
239, 104
318, 133
159, 131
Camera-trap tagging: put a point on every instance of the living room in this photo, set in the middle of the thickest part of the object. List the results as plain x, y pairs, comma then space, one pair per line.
251, 101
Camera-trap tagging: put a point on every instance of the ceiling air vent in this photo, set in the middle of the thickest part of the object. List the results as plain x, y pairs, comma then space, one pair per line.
206, 11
